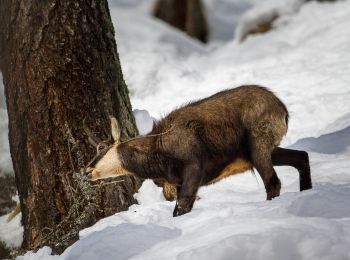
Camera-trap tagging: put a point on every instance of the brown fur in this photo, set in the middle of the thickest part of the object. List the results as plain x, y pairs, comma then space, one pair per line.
210, 139
236, 167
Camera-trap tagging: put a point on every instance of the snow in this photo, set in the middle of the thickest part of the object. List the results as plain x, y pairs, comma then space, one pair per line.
144, 121
263, 12
5, 157
42, 254
336, 142
305, 60
11, 232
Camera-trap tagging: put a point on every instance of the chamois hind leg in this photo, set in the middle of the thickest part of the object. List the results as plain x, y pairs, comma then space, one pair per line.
297, 159
169, 190
186, 193
261, 159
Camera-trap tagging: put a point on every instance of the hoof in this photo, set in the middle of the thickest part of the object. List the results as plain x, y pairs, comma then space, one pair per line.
273, 193
178, 211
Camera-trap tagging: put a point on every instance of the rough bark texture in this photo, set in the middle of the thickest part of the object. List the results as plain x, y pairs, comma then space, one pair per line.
60, 65
186, 15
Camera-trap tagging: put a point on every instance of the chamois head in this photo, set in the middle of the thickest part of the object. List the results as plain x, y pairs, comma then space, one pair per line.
106, 163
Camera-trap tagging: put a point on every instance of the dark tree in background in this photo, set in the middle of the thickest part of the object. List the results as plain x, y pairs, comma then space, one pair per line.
186, 15
60, 65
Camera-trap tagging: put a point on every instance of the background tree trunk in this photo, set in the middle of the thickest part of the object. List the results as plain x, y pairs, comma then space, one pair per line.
186, 15
60, 65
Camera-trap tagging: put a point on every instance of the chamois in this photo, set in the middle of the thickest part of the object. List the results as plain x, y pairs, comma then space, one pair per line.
204, 141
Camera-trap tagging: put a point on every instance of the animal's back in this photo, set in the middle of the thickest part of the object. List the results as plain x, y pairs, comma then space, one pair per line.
245, 102
253, 108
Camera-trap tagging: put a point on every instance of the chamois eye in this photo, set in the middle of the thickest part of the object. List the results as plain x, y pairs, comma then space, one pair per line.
102, 146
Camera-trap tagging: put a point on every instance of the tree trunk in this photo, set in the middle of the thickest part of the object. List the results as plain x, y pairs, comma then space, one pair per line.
186, 15
60, 65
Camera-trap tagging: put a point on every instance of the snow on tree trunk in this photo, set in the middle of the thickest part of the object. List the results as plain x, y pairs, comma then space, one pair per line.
60, 65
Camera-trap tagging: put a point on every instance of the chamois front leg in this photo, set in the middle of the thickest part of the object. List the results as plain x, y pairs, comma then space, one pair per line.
186, 193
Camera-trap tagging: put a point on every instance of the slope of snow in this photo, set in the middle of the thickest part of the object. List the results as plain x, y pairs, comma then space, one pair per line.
305, 60
263, 12
336, 142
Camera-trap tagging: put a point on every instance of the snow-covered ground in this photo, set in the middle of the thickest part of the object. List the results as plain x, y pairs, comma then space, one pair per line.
11, 232
305, 60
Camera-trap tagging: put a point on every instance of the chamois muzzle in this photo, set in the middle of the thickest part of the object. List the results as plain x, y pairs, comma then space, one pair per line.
105, 163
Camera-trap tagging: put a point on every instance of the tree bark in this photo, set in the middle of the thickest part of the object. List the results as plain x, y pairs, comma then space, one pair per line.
186, 15
60, 65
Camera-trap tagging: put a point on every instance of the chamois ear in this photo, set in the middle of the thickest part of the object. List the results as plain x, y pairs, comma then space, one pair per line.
115, 129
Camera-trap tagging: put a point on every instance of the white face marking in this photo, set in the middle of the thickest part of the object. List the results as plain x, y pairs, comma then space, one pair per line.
108, 166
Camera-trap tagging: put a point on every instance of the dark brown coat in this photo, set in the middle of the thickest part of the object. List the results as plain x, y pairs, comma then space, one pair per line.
204, 141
